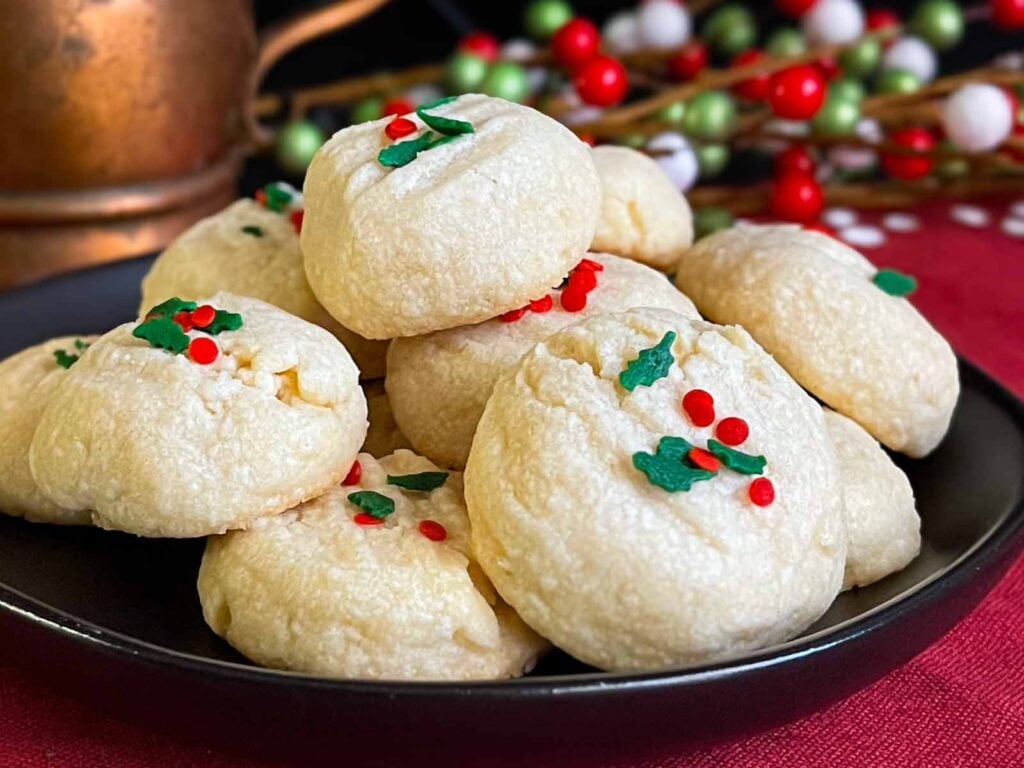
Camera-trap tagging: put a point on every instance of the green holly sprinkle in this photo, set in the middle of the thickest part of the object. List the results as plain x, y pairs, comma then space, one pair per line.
421, 481
895, 283
163, 333
669, 468
404, 152
650, 365
252, 229
737, 461
170, 308
224, 321
443, 125
376, 505
278, 198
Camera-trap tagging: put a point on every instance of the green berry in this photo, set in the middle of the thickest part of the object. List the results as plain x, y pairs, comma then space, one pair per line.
897, 81
951, 167
837, 117
862, 59
466, 72
847, 88
786, 42
506, 80
710, 219
710, 116
545, 17
939, 22
730, 29
633, 140
295, 145
367, 110
712, 159
673, 113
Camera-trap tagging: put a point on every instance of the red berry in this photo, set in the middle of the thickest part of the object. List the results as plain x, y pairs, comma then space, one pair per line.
828, 68
817, 226
573, 300
355, 474
591, 265
797, 198
755, 88
397, 107
575, 43
483, 44
797, 93
910, 166
589, 139
700, 407
583, 280
689, 61
794, 8
732, 431
1008, 14
296, 218
399, 128
513, 315
203, 316
203, 350
881, 18
602, 81
704, 459
540, 306
261, 197
361, 518
795, 159
184, 319
433, 530
762, 492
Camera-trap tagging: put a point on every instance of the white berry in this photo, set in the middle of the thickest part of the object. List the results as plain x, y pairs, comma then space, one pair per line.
621, 33
915, 56
863, 236
663, 24
833, 22
679, 161
977, 117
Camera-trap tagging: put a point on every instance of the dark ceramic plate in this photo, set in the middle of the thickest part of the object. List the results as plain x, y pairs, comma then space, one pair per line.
116, 619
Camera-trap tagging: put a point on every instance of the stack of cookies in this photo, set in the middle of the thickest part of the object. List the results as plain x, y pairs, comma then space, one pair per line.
642, 470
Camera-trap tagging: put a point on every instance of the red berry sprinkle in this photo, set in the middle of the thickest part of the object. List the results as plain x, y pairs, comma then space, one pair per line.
355, 474
540, 306
762, 492
589, 265
399, 128
700, 407
582, 280
184, 319
573, 299
296, 219
203, 350
703, 459
515, 314
203, 316
433, 530
732, 431
362, 518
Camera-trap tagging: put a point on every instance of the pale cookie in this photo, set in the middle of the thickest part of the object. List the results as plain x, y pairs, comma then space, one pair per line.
160, 444
814, 304
250, 250
643, 216
883, 531
439, 384
27, 383
369, 581
466, 230
592, 518
383, 436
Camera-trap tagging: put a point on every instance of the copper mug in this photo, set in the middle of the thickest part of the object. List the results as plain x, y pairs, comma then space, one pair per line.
124, 121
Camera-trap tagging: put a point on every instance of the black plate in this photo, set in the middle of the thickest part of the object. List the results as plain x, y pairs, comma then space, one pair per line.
117, 619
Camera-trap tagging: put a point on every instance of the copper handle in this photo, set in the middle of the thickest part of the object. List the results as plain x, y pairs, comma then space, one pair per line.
278, 41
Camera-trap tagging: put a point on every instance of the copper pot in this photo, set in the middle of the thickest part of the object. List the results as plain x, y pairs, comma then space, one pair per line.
124, 121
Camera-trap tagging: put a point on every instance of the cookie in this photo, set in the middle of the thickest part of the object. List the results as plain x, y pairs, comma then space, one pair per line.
383, 436
648, 490
643, 216
27, 383
165, 433
823, 311
252, 249
371, 580
476, 225
438, 384
883, 530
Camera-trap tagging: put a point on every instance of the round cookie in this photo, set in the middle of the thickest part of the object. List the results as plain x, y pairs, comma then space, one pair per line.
157, 444
250, 250
592, 518
383, 436
329, 589
643, 216
27, 383
813, 304
439, 384
883, 530
469, 229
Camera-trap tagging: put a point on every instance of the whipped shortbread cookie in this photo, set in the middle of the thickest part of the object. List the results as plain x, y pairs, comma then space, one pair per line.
470, 208
842, 328
251, 248
648, 490
374, 579
883, 530
27, 383
383, 436
200, 419
439, 384
643, 215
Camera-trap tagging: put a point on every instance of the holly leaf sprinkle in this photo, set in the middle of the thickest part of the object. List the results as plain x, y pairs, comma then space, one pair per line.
404, 152
224, 321
737, 461
376, 505
669, 468
65, 359
163, 333
650, 365
278, 198
895, 283
446, 126
252, 229
170, 308
421, 481
81, 346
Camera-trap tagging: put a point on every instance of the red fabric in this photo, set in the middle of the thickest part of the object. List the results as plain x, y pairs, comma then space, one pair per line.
961, 703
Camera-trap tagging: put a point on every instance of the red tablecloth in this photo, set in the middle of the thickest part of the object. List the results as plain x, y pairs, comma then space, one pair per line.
961, 703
